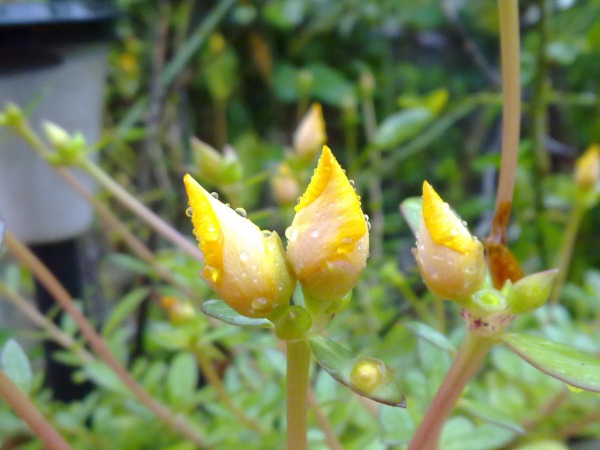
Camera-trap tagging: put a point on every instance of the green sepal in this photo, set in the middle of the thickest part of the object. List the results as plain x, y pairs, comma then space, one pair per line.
557, 360
341, 364
220, 310
411, 210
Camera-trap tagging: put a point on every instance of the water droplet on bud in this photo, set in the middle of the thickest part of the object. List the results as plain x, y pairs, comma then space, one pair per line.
244, 256
189, 212
241, 212
260, 304
215, 195
367, 373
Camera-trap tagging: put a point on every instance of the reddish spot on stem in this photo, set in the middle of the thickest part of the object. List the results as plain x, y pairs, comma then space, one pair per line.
501, 262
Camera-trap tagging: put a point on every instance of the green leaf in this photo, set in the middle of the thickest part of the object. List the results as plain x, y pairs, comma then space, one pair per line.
124, 308
411, 210
431, 335
401, 126
219, 310
15, 364
182, 378
557, 360
329, 85
341, 364
491, 415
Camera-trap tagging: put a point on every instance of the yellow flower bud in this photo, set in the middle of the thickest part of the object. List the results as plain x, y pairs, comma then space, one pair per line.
310, 135
587, 168
245, 266
179, 312
328, 242
450, 259
284, 186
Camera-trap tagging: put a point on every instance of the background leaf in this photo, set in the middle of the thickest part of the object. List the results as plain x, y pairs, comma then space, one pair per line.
557, 360
15, 364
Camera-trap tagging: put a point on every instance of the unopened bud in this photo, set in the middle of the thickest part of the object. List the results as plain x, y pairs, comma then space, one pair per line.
310, 135
531, 292
179, 312
450, 259
587, 168
284, 186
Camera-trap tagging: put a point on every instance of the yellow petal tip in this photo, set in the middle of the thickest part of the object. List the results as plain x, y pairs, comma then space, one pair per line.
443, 225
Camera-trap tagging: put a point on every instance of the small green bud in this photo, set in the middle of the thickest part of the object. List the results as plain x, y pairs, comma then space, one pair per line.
531, 292
57, 136
13, 115
292, 323
489, 300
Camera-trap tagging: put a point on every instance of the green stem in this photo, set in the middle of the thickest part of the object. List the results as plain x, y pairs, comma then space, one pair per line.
375, 193
27, 411
298, 363
565, 255
511, 114
464, 366
139, 209
539, 127
24, 130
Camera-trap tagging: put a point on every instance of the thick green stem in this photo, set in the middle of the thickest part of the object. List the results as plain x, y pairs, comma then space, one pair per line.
27, 411
511, 114
466, 363
298, 363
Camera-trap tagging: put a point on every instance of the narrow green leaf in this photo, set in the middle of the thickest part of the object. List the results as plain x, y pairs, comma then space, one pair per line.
15, 364
557, 360
491, 415
182, 378
411, 210
124, 308
401, 126
219, 310
431, 335
341, 364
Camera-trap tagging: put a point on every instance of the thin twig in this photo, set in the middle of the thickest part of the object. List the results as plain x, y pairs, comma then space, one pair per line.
27, 411
63, 298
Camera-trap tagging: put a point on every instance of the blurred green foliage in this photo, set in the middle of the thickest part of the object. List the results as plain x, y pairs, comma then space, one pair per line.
414, 83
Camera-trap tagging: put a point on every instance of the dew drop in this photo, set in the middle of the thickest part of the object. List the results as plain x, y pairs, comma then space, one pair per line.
368, 226
228, 205
266, 233
241, 212
291, 234
367, 373
351, 183
260, 304
464, 223
244, 256
189, 212
215, 195
314, 234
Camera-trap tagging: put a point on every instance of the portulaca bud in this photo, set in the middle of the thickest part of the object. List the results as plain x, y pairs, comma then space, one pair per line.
450, 259
245, 266
328, 242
